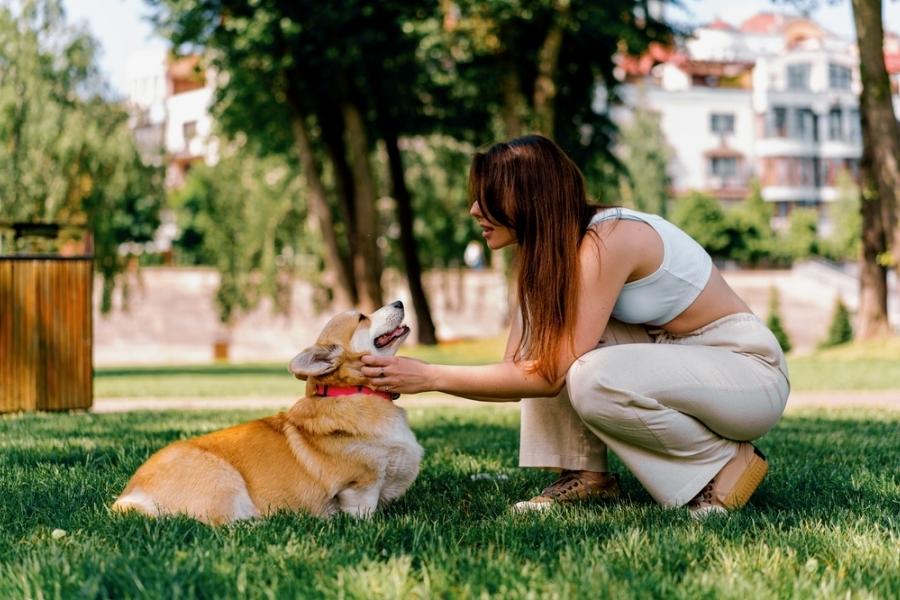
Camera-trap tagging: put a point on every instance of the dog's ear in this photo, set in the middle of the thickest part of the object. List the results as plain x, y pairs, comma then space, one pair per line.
316, 360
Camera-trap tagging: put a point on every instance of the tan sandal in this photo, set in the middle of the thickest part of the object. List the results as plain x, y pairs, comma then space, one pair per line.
733, 486
571, 487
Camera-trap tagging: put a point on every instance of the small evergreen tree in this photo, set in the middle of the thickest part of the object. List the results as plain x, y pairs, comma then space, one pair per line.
774, 321
840, 331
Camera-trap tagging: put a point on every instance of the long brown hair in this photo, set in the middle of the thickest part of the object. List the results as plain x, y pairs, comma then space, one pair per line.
531, 186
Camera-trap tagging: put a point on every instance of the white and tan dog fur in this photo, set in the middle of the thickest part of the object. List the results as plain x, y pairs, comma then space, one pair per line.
350, 453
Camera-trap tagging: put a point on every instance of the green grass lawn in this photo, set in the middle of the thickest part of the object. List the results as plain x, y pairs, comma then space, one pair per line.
216, 380
852, 367
824, 524
870, 366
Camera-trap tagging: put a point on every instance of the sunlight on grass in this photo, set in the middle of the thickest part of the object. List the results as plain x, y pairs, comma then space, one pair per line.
872, 366
888, 348
856, 366
462, 352
263, 379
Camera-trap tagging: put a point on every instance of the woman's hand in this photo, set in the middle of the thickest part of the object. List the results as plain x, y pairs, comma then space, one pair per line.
397, 374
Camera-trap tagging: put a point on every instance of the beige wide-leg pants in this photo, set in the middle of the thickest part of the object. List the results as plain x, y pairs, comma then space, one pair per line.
672, 407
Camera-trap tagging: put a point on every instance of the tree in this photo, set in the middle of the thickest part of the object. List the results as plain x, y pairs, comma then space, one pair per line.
547, 61
843, 243
840, 331
246, 211
437, 172
773, 321
341, 76
646, 156
67, 154
879, 171
750, 229
802, 239
879, 167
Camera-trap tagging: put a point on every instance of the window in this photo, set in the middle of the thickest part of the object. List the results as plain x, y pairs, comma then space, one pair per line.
804, 125
835, 124
798, 76
854, 133
721, 123
779, 121
189, 130
723, 166
839, 77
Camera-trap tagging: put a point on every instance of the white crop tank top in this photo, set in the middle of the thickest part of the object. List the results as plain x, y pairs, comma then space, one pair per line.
664, 294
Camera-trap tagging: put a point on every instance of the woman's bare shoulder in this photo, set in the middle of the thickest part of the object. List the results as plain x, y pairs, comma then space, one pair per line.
611, 249
619, 236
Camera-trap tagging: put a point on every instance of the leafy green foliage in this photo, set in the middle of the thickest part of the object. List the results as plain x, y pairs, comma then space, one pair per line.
773, 321
744, 232
844, 242
506, 43
752, 239
802, 239
437, 171
841, 330
67, 154
431, 71
245, 214
646, 158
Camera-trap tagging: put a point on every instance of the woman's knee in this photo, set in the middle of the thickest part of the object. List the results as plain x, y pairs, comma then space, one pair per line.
593, 388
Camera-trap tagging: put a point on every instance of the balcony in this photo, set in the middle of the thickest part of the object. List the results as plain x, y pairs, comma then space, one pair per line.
785, 146
784, 193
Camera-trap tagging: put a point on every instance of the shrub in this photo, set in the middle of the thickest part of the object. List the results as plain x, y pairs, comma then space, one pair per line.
840, 331
774, 321
802, 237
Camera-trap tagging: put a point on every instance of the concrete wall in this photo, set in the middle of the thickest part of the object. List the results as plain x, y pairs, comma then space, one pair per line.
171, 317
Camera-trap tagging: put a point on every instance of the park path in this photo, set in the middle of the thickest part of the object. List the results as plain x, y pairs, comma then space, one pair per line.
887, 399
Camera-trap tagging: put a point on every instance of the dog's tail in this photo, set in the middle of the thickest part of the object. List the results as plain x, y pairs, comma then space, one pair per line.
138, 501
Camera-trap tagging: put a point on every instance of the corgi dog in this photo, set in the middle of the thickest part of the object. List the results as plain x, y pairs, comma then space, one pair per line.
342, 447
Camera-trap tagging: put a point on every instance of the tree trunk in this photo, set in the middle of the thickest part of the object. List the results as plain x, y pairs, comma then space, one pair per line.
547, 71
321, 214
367, 260
879, 170
872, 319
332, 124
425, 330
513, 101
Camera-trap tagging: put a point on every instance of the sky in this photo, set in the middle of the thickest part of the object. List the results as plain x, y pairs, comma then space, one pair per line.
122, 28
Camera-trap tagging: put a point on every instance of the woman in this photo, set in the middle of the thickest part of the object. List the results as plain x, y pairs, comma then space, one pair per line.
628, 338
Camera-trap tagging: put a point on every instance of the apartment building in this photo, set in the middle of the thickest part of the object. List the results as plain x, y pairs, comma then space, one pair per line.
169, 100
774, 98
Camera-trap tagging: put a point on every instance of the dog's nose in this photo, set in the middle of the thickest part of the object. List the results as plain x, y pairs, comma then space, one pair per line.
397, 304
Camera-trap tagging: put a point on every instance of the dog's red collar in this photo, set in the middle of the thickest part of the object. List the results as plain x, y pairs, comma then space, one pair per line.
349, 390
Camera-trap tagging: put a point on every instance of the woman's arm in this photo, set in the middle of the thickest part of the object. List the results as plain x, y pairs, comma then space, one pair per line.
507, 380
498, 382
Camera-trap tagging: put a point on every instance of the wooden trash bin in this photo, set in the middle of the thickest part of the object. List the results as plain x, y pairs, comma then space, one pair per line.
46, 332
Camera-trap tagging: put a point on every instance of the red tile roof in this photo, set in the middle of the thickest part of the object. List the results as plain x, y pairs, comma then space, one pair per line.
655, 54
720, 24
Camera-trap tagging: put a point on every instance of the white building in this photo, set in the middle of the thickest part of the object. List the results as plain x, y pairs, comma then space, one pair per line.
169, 100
775, 98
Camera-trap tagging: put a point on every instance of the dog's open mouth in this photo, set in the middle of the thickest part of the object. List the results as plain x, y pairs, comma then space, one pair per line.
386, 338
